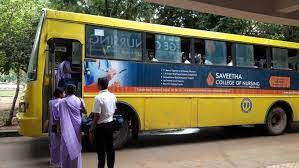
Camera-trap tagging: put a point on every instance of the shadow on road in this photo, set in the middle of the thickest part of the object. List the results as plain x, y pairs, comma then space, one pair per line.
157, 138
33, 152
38, 148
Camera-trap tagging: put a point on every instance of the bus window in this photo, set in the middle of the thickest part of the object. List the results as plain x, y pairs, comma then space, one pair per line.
168, 48
216, 52
293, 59
244, 55
113, 43
150, 48
185, 51
279, 58
199, 51
260, 56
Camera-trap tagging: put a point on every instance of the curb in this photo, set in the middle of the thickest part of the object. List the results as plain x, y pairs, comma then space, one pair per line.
9, 133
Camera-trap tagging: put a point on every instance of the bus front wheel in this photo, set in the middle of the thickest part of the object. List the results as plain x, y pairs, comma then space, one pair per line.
276, 121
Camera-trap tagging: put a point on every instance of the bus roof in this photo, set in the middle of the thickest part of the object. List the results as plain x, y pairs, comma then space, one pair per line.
162, 29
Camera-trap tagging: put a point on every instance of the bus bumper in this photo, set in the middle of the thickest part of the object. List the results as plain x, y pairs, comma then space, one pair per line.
28, 126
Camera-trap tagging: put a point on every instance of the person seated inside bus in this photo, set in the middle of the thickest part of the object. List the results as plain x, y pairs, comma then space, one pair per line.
208, 62
291, 66
197, 59
151, 56
64, 73
229, 60
257, 64
297, 66
202, 58
184, 58
263, 63
260, 63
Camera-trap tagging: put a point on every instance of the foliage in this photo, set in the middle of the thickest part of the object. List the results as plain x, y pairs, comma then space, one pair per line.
124, 9
18, 24
68, 5
142, 11
12, 77
191, 19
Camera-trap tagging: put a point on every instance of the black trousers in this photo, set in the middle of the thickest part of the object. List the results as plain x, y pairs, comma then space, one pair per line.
104, 144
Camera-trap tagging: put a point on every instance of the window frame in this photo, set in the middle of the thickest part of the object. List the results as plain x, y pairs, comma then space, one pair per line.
192, 50
165, 62
120, 59
144, 56
155, 48
271, 58
235, 55
226, 54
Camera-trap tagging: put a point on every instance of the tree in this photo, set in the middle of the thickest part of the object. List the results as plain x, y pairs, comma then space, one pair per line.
140, 10
68, 5
18, 24
124, 9
203, 21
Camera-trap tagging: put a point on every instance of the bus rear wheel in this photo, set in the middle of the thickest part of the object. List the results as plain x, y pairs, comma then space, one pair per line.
121, 136
276, 121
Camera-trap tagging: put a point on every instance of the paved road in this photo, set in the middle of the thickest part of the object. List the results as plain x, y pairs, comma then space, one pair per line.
206, 148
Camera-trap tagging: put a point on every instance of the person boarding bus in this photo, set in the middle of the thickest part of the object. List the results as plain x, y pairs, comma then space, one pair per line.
70, 109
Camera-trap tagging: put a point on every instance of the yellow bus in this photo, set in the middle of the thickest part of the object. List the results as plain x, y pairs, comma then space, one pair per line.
164, 77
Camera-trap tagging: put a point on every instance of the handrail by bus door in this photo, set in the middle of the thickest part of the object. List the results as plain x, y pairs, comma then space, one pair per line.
49, 82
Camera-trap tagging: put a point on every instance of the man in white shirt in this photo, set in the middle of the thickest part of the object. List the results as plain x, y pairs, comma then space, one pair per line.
102, 125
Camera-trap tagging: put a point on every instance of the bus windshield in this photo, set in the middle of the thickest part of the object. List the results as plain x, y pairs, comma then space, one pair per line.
32, 67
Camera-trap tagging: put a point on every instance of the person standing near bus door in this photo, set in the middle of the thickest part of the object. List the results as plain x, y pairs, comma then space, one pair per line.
70, 109
53, 129
102, 125
64, 73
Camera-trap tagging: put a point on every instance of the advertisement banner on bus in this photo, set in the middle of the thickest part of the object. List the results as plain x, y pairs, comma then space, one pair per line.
132, 76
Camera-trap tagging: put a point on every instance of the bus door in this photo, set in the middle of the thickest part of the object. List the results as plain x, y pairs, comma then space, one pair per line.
59, 50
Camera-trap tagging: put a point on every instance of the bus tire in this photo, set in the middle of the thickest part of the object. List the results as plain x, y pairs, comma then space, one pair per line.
276, 121
121, 136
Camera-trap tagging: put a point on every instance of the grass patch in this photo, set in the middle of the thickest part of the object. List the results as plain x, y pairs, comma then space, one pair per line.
7, 93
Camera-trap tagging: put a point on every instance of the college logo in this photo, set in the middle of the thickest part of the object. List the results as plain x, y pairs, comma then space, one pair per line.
246, 105
210, 79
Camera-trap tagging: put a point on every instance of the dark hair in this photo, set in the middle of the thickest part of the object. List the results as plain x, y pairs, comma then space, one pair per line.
103, 83
70, 89
151, 51
57, 92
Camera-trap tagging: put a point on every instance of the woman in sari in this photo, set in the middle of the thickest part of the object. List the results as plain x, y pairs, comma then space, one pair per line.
54, 135
70, 109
